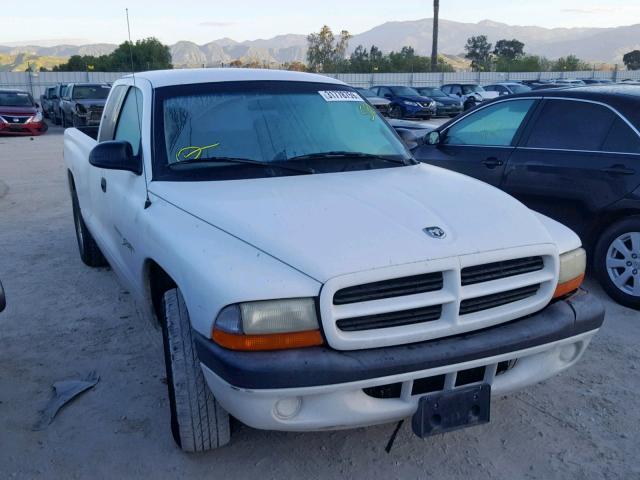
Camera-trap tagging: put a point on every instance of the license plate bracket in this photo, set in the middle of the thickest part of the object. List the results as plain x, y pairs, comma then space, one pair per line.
452, 410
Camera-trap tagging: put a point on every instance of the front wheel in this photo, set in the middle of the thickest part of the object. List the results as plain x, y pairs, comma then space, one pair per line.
617, 261
198, 422
395, 112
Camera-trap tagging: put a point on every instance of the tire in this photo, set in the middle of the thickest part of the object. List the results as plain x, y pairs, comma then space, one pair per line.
395, 112
75, 121
617, 261
198, 421
469, 105
56, 120
63, 120
89, 251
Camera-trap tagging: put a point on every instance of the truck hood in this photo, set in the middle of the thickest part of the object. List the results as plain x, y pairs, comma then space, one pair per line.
18, 111
327, 225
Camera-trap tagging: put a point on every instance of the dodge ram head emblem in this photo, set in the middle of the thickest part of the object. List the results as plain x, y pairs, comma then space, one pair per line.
435, 232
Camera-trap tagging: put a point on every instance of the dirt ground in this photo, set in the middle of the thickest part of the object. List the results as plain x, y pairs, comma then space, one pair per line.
64, 320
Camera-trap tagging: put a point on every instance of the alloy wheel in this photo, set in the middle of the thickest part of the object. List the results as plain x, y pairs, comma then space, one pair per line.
623, 263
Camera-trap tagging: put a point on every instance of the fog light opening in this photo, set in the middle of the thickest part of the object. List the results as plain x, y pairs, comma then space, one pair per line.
287, 408
568, 353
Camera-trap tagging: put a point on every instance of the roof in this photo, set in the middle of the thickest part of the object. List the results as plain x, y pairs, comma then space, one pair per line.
624, 98
164, 78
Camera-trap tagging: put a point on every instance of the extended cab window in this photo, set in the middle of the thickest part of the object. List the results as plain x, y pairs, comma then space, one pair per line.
495, 125
257, 129
129, 122
571, 125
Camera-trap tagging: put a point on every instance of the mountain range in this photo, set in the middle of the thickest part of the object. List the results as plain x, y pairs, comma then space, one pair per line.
606, 45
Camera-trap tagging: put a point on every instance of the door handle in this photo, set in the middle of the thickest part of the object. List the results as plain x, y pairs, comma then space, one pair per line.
492, 162
103, 184
618, 170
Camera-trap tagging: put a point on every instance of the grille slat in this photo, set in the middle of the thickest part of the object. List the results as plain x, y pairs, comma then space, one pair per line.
391, 319
397, 287
486, 302
498, 270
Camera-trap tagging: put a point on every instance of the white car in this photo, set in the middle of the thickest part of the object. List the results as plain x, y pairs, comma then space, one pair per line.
470, 94
306, 272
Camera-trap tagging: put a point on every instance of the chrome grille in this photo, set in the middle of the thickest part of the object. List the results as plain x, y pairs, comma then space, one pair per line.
16, 119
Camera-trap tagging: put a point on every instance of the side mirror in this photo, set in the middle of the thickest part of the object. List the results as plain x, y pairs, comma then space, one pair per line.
3, 300
433, 138
115, 155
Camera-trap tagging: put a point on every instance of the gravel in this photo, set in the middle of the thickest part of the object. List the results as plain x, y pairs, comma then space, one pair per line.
64, 320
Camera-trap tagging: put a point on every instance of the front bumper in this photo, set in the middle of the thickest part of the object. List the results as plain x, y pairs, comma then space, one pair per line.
320, 388
33, 128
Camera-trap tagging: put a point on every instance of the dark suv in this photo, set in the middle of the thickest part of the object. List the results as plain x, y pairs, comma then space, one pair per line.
570, 153
406, 102
82, 104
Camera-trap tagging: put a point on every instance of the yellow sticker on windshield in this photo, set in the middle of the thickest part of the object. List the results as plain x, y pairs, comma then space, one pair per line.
193, 153
368, 110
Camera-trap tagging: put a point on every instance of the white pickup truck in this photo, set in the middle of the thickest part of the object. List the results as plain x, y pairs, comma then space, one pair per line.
306, 272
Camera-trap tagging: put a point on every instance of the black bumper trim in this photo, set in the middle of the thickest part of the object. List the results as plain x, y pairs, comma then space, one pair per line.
307, 367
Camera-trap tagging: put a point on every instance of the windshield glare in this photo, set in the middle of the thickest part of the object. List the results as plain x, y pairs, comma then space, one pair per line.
467, 89
405, 91
271, 122
15, 99
90, 92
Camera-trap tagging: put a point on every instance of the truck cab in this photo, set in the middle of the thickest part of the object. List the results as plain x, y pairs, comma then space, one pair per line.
306, 272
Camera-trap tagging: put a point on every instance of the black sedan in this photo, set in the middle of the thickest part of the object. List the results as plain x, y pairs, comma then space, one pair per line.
572, 154
445, 105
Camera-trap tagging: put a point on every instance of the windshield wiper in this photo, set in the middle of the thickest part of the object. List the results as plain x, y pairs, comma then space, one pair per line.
345, 154
244, 161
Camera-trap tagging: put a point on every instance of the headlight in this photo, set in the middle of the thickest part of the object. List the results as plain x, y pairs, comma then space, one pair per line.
411, 104
36, 118
572, 268
268, 325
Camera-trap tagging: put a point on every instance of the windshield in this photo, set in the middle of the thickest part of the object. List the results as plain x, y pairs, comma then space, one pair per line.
365, 92
467, 89
90, 92
517, 88
433, 92
15, 99
272, 123
405, 91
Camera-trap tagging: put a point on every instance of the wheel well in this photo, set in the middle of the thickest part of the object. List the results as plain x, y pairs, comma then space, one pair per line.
605, 221
159, 283
72, 183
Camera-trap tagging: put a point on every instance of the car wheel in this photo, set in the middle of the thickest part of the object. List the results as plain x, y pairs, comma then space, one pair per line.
395, 112
56, 120
63, 120
198, 422
469, 104
617, 261
89, 251
75, 121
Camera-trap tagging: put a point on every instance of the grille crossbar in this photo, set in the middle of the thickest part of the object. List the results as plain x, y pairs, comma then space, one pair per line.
472, 305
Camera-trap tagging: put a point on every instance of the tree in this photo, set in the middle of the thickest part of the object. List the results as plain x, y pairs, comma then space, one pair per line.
359, 61
147, 54
524, 63
295, 66
509, 49
632, 60
479, 52
569, 64
324, 53
434, 38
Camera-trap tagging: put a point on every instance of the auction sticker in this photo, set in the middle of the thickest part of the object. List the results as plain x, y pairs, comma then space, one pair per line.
340, 96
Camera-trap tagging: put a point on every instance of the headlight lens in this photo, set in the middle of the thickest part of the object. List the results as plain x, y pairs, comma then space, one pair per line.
36, 118
572, 267
411, 104
268, 325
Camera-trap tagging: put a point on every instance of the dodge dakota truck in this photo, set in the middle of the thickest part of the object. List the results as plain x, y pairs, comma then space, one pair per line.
306, 272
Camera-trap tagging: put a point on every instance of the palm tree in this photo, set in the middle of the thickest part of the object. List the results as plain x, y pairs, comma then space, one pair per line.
434, 47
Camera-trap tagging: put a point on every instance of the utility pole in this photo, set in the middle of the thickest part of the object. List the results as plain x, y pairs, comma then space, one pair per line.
434, 43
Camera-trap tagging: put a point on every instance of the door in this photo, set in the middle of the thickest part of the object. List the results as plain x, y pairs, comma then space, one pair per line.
576, 158
125, 192
480, 144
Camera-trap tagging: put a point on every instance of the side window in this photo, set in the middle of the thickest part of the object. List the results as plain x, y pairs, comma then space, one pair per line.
495, 125
621, 138
446, 89
130, 120
384, 91
456, 90
110, 113
490, 88
571, 125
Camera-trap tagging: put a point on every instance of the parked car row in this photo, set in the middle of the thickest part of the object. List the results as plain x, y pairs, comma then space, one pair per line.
572, 154
75, 104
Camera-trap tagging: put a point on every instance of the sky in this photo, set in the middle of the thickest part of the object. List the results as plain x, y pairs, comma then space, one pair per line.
203, 21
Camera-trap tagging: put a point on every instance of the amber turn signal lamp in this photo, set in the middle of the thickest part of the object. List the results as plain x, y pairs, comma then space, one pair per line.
272, 341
